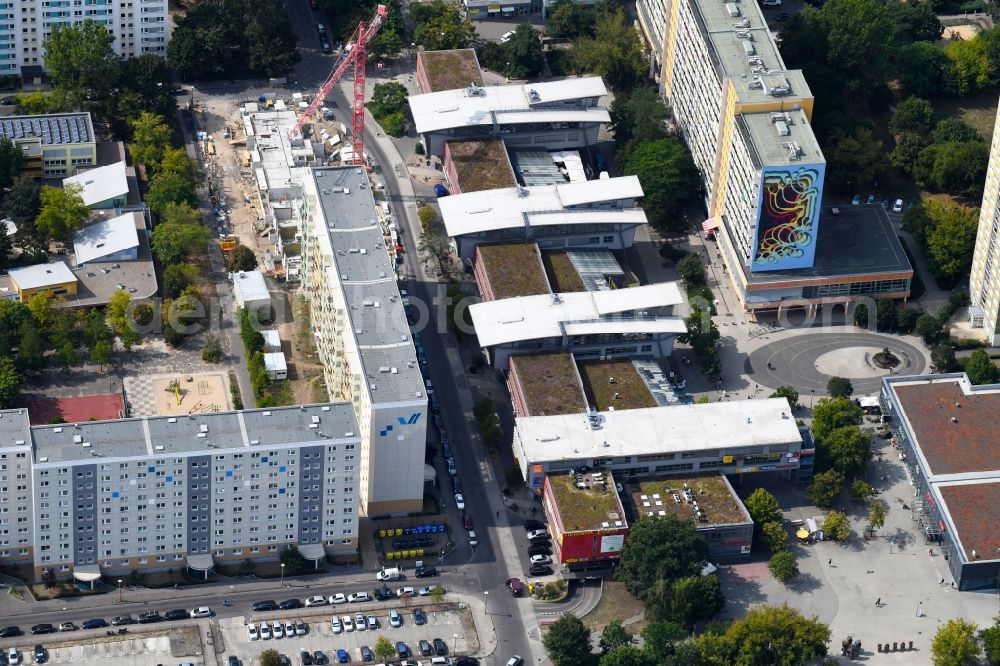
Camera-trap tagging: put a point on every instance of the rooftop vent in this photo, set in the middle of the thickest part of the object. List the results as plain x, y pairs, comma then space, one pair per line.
733, 9
794, 151
748, 47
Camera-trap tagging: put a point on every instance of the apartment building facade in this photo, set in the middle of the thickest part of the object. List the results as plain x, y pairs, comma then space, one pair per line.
984, 281
138, 26
156, 493
363, 337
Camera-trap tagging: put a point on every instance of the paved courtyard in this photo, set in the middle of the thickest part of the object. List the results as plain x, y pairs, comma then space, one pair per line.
840, 582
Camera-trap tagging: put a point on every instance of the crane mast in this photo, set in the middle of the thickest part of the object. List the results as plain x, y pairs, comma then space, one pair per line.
353, 54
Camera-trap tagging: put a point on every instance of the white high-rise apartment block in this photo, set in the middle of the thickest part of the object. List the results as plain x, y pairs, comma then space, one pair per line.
138, 26
984, 282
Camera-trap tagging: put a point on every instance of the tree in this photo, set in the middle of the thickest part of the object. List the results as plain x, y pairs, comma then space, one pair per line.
614, 52
906, 154
854, 157
876, 514
702, 334
913, 115
80, 60
38, 102
929, 329
150, 139
832, 413
861, 315
980, 368
669, 180
782, 566
173, 242
951, 241
991, 641
569, 20
176, 160
212, 351
270, 658
692, 270
971, 70
943, 358
440, 26
667, 548
627, 655
838, 387
176, 277
100, 354
861, 490
955, 644
387, 98
519, 57
436, 248
776, 635
10, 383
637, 116
62, 212
568, 641
825, 488
660, 639
116, 311
845, 449
836, 526
775, 535
763, 508
11, 162
168, 188
437, 594
30, 348
685, 601
394, 124
953, 130
383, 649
428, 216
955, 167
923, 68
242, 258
292, 559
66, 353
789, 394
613, 636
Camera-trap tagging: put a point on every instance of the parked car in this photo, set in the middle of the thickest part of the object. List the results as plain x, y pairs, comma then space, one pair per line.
348, 623
319, 658
150, 617
425, 647
335, 625
517, 660
540, 570
465, 661
325, 45
539, 550
425, 591
402, 649
440, 647
42, 629
234, 661
252, 632
290, 604
10, 632
67, 626
41, 654
367, 654
265, 631
306, 657
870, 200
301, 628
384, 593
856, 200
395, 619
289, 628
360, 621
516, 586
359, 596
13, 657
533, 525
440, 190
898, 206
316, 601
459, 501
373, 623
174, 615
122, 620
201, 611
419, 617
425, 572
537, 534
338, 598
278, 629
405, 592
505, 37
97, 623
342, 656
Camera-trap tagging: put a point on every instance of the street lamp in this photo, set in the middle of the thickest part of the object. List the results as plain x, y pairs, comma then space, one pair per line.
486, 602
812, 394
282, 574
119, 590
455, 644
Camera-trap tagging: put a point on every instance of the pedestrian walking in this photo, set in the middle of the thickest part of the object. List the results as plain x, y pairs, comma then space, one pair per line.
878, 602
942, 581
829, 562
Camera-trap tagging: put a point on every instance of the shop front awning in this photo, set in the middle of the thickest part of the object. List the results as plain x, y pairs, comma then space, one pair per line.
203, 562
88, 573
710, 224
313, 551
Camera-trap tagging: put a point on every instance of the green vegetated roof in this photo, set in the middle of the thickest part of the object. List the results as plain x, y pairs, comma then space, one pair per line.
549, 384
562, 272
514, 269
448, 70
710, 491
585, 508
481, 164
614, 384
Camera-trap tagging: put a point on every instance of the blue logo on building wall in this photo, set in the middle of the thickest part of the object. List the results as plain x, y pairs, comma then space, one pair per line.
402, 421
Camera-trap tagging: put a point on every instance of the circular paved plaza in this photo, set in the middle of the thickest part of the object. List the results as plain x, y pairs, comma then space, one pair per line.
806, 362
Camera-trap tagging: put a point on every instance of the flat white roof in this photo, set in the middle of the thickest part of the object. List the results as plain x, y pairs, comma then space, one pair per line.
670, 324
673, 428
274, 361
476, 212
463, 107
545, 316
251, 285
100, 184
271, 338
42, 275
105, 237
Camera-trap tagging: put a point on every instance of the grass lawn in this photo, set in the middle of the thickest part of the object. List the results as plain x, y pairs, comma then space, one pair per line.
616, 603
979, 111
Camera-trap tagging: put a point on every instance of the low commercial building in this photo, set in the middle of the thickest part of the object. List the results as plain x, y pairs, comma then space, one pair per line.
54, 278
946, 432
447, 70
707, 500
550, 114
272, 340
159, 493
475, 165
727, 437
114, 239
102, 187
54, 144
589, 214
593, 324
585, 516
251, 293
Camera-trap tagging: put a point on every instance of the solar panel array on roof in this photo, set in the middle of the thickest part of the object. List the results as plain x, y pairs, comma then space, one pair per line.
50, 129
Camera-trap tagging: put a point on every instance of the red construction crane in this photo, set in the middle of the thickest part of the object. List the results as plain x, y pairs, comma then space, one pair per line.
353, 53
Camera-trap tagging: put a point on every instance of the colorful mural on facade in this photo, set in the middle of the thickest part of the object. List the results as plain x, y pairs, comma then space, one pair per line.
788, 221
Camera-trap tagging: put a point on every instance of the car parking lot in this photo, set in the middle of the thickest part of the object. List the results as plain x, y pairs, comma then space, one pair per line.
446, 625
130, 652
